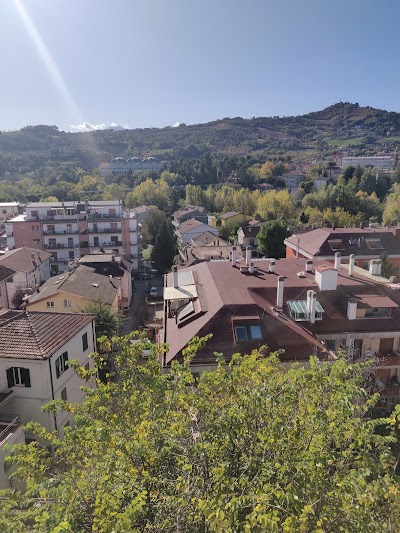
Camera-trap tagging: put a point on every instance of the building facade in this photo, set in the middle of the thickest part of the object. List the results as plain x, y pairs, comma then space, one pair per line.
385, 162
119, 165
69, 230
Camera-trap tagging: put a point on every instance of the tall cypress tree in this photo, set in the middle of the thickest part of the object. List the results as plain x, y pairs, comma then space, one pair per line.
164, 249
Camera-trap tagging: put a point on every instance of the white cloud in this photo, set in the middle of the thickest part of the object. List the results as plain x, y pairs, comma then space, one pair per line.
177, 124
86, 126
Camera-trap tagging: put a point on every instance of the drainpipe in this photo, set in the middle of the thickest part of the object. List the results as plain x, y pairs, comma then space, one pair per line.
52, 392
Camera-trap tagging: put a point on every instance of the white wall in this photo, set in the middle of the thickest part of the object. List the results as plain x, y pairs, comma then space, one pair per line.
27, 401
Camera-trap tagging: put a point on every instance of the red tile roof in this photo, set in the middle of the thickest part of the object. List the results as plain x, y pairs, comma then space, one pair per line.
34, 335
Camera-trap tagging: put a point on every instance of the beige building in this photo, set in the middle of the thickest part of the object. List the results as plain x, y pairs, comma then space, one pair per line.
73, 291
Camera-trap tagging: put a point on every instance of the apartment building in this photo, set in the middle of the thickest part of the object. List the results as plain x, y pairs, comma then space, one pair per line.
119, 165
34, 351
69, 230
384, 162
292, 180
298, 306
7, 210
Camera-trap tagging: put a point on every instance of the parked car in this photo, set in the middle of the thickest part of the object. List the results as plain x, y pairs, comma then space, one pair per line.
153, 292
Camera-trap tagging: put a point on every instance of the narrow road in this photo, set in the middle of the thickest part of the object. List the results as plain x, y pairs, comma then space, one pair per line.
135, 316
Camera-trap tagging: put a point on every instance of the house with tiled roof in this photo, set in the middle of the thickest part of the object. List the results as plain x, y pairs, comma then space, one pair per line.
73, 291
294, 305
191, 229
365, 243
30, 267
34, 352
231, 218
247, 234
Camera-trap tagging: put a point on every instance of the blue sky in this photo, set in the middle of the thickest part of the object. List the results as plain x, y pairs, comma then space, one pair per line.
152, 63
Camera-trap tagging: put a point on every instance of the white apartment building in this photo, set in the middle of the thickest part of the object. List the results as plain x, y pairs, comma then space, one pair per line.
69, 230
292, 180
119, 165
384, 162
34, 350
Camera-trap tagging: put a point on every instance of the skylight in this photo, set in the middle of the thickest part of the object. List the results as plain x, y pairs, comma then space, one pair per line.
336, 244
374, 244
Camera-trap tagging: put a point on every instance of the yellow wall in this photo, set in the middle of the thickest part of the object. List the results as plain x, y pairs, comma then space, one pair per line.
77, 303
236, 219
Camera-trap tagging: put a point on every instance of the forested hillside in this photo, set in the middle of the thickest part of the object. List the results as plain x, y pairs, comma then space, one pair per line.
343, 124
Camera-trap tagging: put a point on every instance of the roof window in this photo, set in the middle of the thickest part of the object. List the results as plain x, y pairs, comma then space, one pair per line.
336, 244
374, 244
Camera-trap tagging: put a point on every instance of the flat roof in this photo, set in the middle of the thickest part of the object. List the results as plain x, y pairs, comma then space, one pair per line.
180, 293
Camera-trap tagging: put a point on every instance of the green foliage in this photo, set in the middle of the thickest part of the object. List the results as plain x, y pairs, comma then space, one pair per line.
151, 225
247, 448
108, 321
271, 239
164, 249
388, 269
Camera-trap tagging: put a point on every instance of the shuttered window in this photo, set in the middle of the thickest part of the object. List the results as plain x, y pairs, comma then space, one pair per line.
18, 376
61, 364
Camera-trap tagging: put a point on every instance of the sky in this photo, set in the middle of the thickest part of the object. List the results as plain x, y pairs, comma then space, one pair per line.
84, 64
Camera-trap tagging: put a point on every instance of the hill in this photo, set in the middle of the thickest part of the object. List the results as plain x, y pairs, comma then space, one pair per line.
339, 125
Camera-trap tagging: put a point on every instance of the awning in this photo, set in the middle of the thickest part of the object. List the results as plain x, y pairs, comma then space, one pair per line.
375, 301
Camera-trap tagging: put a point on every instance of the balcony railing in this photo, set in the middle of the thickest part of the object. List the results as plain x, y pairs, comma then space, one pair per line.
59, 245
387, 360
57, 218
8, 425
102, 216
112, 243
104, 230
391, 390
60, 232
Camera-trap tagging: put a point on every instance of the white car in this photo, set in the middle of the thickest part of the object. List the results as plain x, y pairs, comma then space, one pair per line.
153, 292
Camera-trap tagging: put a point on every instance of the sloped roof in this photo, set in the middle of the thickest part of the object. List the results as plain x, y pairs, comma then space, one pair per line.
353, 241
21, 260
34, 335
84, 282
5, 273
187, 210
207, 236
190, 224
251, 230
230, 214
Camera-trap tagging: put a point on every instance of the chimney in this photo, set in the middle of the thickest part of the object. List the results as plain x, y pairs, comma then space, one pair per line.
251, 267
309, 265
233, 256
375, 267
248, 255
338, 260
352, 309
351, 265
175, 274
271, 267
311, 305
279, 292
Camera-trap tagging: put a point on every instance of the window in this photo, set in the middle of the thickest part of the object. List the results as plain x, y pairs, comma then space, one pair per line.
241, 333
35, 228
70, 242
255, 332
71, 254
61, 364
336, 244
64, 394
67, 303
49, 304
95, 241
36, 241
18, 376
85, 344
87, 367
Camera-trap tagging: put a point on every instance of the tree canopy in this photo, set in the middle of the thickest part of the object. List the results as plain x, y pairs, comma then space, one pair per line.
246, 448
271, 239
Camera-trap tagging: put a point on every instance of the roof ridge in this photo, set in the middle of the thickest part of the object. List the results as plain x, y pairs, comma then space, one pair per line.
35, 334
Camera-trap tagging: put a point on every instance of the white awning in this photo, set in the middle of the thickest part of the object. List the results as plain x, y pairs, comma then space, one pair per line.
180, 293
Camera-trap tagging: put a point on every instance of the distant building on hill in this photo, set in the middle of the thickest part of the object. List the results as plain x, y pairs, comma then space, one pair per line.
119, 165
385, 162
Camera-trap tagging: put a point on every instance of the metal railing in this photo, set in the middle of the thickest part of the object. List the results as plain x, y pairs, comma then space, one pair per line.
8, 424
104, 230
60, 232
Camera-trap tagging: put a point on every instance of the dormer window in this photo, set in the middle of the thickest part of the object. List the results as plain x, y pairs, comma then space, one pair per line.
374, 244
336, 244
299, 311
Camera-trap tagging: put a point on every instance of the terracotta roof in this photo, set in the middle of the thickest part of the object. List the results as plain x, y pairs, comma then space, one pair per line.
34, 335
21, 260
190, 224
83, 281
357, 241
207, 238
5, 272
224, 292
188, 209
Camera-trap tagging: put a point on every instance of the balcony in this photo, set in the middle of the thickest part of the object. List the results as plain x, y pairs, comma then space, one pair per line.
387, 360
8, 425
390, 391
104, 230
60, 246
103, 216
112, 243
60, 232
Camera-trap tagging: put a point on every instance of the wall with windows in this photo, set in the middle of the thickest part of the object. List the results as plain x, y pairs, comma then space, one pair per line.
66, 303
47, 379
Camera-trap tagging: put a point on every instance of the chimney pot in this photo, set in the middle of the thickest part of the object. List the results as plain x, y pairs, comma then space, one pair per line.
175, 274
279, 293
271, 267
233, 256
309, 265
351, 264
338, 260
248, 255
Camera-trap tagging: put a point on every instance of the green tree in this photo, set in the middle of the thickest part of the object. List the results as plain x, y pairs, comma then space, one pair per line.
151, 225
164, 249
249, 448
388, 269
108, 321
271, 239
